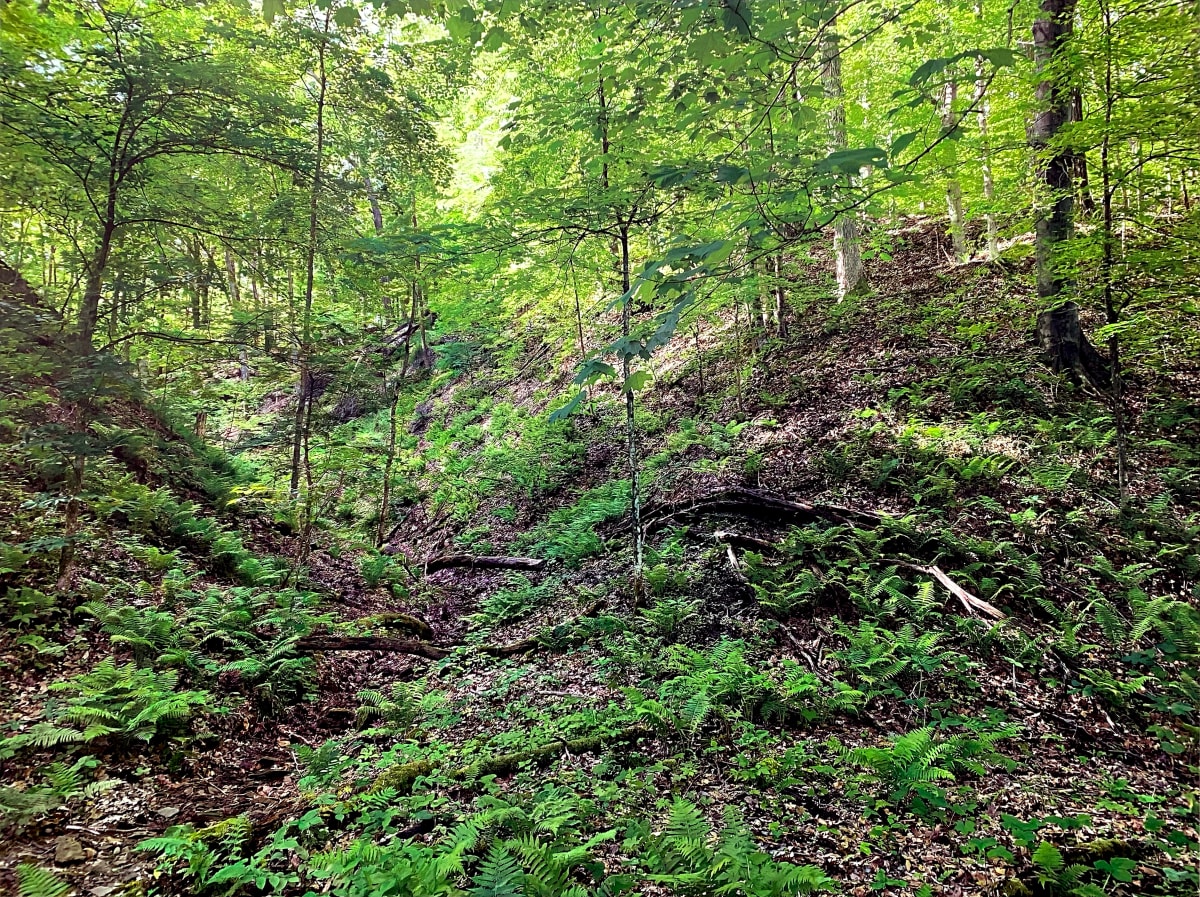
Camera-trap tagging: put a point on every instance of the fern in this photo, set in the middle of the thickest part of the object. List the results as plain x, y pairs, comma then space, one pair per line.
33, 881
499, 875
918, 758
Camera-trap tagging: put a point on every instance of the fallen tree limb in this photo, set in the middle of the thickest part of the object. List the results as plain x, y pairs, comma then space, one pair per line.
743, 541
481, 562
970, 602
402, 776
758, 503
317, 643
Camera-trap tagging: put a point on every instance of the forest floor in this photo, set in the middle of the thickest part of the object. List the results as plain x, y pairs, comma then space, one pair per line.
778, 681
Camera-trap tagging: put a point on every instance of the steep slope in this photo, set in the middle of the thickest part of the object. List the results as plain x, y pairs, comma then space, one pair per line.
810, 694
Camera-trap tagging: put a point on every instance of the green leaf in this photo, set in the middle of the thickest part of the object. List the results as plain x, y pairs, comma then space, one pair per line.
999, 56
732, 174
462, 25
849, 161
901, 143
346, 17
637, 380
495, 38
271, 9
1119, 868
562, 413
735, 16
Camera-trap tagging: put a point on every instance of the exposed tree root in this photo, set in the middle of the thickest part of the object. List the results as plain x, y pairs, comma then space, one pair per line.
757, 503
402, 776
311, 644
481, 562
752, 502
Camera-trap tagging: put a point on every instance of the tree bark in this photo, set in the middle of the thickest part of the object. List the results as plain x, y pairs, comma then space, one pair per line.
1067, 348
751, 503
954, 196
310, 644
89, 309
1055, 206
851, 277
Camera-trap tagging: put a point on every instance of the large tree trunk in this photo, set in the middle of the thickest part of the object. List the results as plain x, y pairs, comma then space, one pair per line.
851, 277
1068, 349
1055, 207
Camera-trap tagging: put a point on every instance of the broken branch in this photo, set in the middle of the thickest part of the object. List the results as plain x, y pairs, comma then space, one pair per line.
482, 562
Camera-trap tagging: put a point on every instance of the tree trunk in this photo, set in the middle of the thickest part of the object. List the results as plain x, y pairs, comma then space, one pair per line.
631, 435
779, 308
377, 220
1068, 349
954, 202
985, 164
851, 277
304, 400
385, 500
235, 302
89, 310
1055, 207
1112, 312
481, 562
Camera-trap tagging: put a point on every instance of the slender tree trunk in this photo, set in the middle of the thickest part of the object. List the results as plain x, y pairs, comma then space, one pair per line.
377, 220
851, 277
985, 161
304, 400
1055, 206
1083, 188
779, 310
954, 199
235, 302
1112, 313
385, 500
197, 298
631, 434
89, 310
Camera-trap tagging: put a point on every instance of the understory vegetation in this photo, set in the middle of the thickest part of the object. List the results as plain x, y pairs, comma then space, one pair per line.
538, 450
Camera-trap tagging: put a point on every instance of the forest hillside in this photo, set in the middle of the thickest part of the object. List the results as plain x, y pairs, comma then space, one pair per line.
566, 449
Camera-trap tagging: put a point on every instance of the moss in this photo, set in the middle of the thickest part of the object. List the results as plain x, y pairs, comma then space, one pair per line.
406, 622
1014, 887
233, 827
402, 775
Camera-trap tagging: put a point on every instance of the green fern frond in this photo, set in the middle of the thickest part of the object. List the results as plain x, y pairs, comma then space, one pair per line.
33, 881
499, 875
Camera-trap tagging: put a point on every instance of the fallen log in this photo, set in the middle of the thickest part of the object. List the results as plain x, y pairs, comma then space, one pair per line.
744, 502
310, 644
402, 776
481, 562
